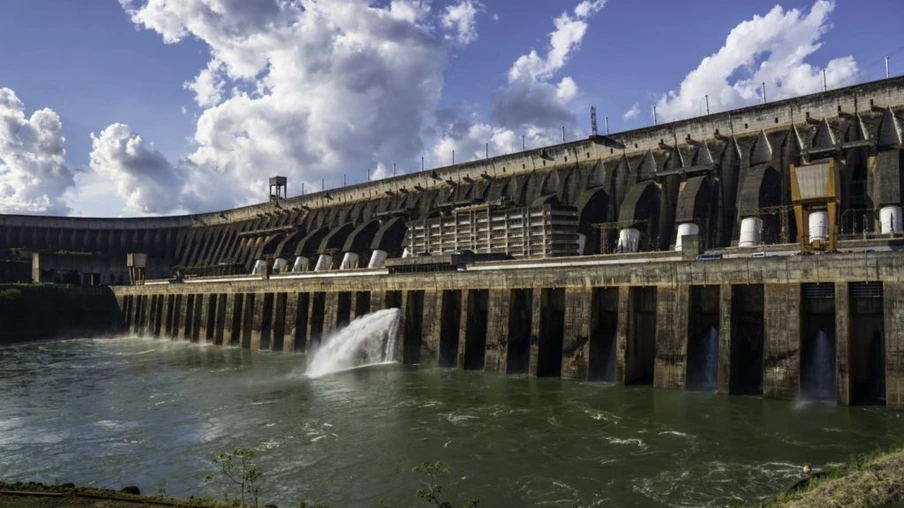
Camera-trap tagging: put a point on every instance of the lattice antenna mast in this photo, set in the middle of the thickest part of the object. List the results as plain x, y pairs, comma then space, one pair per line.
593, 129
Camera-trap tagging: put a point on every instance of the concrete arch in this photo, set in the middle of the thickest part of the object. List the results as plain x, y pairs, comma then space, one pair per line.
335, 239
359, 240
286, 247
390, 237
309, 244
694, 201
641, 202
592, 207
271, 244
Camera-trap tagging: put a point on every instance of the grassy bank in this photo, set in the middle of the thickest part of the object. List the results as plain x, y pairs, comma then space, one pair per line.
873, 480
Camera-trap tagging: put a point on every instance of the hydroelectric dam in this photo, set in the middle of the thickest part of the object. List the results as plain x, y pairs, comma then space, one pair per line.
757, 251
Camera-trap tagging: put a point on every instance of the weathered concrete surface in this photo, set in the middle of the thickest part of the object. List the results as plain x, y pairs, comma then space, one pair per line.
725, 334
487, 313
781, 375
576, 346
671, 337
842, 343
497, 331
893, 294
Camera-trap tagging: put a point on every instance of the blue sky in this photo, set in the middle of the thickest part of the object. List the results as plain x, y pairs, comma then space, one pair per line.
317, 88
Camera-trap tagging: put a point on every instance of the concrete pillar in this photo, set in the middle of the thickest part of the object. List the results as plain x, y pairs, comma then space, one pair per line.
186, 312
893, 301
203, 315
257, 322
159, 315
725, 323
121, 305
576, 346
670, 368
232, 314
842, 344
220, 322
497, 331
143, 316
330, 313
433, 309
377, 300
197, 317
625, 330
462, 327
178, 311
166, 327
536, 313
781, 365
301, 319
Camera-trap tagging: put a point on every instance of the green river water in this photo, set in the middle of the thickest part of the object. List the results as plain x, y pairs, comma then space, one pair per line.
151, 413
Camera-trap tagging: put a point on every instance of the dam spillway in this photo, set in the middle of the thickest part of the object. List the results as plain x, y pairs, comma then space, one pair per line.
763, 226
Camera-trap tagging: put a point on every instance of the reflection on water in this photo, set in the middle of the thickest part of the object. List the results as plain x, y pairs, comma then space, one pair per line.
152, 412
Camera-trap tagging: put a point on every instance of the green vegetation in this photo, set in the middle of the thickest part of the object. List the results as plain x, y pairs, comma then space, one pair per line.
432, 490
875, 479
238, 468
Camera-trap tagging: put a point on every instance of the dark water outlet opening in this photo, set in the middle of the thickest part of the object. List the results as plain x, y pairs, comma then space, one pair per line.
177, 317
279, 321
520, 318
449, 328
818, 349
867, 367
640, 350
552, 332
156, 311
747, 328
221, 321
603, 334
211, 318
235, 327
362, 303
343, 309
248, 320
476, 329
318, 305
414, 326
301, 321
393, 299
703, 338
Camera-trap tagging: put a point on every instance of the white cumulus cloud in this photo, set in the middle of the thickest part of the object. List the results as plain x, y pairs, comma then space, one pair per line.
144, 179
769, 49
632, 113
462, 19
535, 102
308, 89
33, 172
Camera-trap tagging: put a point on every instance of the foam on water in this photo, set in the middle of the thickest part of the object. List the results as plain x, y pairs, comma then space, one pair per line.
366, 341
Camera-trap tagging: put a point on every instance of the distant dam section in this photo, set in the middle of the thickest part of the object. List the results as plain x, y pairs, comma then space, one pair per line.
755, 251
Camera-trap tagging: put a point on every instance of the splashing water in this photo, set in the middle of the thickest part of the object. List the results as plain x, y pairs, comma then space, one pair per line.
368, 340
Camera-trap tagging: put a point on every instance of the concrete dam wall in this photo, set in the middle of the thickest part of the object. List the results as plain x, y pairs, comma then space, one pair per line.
752, 251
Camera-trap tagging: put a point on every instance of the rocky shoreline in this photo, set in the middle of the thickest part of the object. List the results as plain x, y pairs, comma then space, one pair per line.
37, 495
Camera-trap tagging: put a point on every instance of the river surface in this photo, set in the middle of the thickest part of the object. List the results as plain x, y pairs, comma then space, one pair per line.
146, 412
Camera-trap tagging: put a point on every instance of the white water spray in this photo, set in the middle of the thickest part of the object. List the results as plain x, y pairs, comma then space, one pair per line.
368, 340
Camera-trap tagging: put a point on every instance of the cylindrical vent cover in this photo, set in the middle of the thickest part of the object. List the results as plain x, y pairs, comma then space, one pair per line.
686, 229
407, 253
258, 267
750, 232
582, 243
349, 261
628, 240
324, 263
279, 265
819, 226
301, 264
890, 220
377, 259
